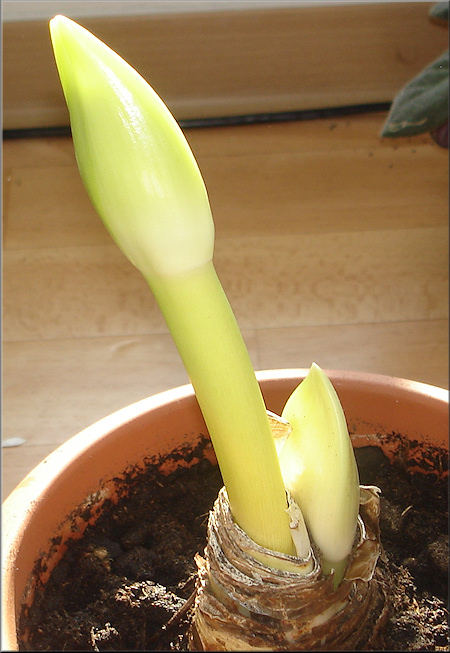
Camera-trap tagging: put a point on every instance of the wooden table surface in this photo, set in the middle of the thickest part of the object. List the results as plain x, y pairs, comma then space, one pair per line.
331, 245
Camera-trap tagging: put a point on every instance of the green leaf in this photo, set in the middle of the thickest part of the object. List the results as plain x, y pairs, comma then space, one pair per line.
422, 105
439, 12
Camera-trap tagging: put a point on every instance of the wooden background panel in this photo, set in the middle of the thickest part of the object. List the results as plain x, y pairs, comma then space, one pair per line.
273, 179
323, 223
411, 349
237, 62
364, 289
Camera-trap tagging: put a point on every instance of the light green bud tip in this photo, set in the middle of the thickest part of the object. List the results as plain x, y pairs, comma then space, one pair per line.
319, 467
134, 161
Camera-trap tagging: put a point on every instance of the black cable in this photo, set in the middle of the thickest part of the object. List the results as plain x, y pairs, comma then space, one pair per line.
225, 121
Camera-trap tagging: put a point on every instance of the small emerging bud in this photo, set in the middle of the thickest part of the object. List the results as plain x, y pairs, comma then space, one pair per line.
319, 467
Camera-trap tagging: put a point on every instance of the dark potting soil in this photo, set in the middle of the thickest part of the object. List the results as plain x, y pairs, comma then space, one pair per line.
128, 583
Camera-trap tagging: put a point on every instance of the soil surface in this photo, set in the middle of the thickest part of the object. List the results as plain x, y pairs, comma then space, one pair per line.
128, 583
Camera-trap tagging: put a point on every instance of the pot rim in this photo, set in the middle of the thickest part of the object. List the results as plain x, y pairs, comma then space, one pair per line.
19, 505
41, 475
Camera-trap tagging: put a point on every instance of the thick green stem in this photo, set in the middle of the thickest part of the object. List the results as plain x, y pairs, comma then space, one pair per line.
212, 349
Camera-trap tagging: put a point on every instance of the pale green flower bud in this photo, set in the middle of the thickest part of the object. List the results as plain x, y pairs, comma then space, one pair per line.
135, 163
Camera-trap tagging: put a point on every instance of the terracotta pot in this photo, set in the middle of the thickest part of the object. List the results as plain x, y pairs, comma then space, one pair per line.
49, 506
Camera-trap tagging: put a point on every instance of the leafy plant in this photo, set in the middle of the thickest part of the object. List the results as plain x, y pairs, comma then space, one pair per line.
422, 105
146, 186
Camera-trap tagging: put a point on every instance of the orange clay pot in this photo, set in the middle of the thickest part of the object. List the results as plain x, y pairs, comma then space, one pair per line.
48, 507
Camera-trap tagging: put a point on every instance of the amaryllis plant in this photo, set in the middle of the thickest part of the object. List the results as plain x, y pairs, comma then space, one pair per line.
296, 498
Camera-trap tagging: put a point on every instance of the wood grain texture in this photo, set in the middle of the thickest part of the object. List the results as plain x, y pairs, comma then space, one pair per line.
331, 245
237, 62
